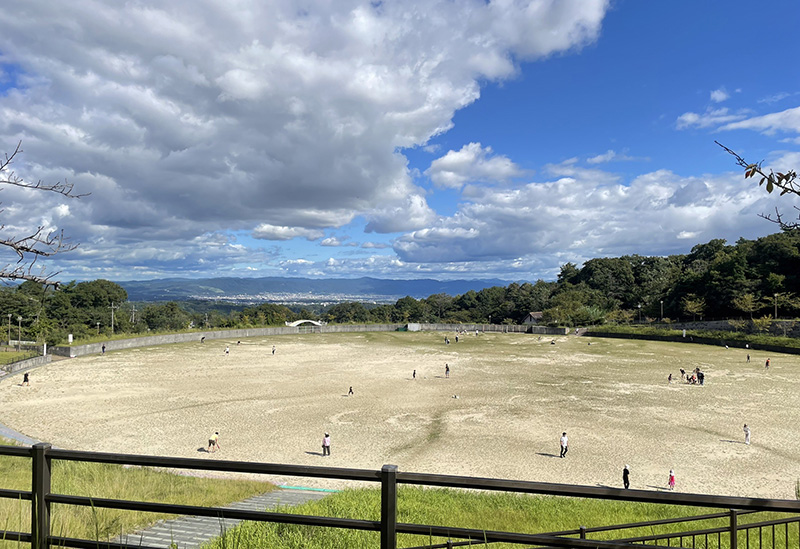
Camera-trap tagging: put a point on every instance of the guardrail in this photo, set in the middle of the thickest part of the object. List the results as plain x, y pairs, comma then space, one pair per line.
389, 477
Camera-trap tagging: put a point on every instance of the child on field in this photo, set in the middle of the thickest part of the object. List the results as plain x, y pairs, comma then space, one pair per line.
671, 479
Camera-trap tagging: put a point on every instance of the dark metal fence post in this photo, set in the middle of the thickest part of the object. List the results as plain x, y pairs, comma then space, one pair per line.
389, 507
734, 530
583, 532
40, 507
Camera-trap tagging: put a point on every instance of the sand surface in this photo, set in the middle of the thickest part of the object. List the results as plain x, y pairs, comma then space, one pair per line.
516, 394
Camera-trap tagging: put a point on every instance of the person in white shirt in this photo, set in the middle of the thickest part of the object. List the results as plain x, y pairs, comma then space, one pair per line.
564, 444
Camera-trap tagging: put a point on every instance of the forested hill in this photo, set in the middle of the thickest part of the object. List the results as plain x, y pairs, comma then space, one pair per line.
750, 279
268, 288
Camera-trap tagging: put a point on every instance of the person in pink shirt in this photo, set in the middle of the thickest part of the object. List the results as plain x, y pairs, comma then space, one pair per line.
326, 445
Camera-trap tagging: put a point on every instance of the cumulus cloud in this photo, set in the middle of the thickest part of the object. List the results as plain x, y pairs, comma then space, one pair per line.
472, 163
185, 119
265, 231
587, 214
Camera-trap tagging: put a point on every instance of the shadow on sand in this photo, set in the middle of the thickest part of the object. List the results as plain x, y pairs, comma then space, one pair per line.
547, 455
314, 453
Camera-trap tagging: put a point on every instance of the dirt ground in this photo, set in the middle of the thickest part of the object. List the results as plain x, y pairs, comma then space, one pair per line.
516, 394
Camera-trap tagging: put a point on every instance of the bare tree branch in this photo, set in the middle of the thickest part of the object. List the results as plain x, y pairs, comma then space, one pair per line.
38, 243
9, 177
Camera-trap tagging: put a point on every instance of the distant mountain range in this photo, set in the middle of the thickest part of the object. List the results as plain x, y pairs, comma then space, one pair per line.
297, 290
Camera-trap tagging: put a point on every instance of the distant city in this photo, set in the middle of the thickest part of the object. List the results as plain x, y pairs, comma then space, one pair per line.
288, 298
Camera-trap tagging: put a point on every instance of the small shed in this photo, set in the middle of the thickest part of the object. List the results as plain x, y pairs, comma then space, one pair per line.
533, 318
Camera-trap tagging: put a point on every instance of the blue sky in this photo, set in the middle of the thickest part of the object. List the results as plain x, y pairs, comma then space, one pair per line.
406, 139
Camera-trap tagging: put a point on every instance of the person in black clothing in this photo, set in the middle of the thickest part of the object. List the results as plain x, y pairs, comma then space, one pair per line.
626, 477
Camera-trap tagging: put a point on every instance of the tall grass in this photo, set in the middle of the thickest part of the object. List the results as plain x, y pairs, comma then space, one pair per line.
456, 508
112, 481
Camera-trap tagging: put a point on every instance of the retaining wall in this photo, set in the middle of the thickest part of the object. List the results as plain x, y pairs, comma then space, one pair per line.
25, 364
150, 341
698, 340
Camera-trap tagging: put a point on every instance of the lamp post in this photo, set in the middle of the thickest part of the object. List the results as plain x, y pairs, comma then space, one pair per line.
776, 306
9, 329
662, 310
98, 328
640, 313
19, 333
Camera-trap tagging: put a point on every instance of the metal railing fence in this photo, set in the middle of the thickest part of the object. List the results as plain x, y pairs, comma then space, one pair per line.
389, 477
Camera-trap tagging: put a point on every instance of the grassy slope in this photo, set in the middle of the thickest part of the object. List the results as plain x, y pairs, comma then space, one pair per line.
112, 481
504, 512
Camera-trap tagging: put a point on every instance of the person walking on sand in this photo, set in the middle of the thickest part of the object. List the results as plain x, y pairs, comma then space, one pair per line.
766, 365
564, 444
669, 379
626, 481
446, 370
350, 392
26, 382
326, 445
213, 442
746, 434
227, 350
671, 479
414, 374
273, 349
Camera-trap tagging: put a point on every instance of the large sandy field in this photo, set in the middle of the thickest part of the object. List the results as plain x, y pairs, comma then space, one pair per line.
516, 394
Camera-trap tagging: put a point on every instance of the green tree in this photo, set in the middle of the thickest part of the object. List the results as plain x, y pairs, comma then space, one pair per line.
747, 303
694, 305
165, 316
350, 312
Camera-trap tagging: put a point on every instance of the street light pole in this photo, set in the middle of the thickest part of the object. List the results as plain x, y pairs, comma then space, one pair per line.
98, 328
640, 313
776, 306
19, 333
9, 329
662, 310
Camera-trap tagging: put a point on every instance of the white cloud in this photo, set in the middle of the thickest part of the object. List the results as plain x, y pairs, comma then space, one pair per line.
710, 118
612, 156
404, 215
375, 245
265, 231
719, 95
784, 121
776, 97
472, 163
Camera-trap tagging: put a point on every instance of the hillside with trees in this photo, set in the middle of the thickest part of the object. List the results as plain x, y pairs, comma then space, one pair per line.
748, 280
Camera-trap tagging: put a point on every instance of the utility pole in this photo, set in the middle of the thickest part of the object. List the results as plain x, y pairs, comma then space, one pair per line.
133, 314
112, 307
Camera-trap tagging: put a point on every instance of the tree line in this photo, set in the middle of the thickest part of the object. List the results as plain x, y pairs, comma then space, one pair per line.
750, 279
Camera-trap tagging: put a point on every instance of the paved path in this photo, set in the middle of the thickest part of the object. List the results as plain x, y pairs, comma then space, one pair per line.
191, 532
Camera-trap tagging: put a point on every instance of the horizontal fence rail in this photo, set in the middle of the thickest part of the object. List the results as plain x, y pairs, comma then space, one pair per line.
41, 498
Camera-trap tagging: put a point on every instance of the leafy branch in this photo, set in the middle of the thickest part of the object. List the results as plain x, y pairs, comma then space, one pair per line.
785, 181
